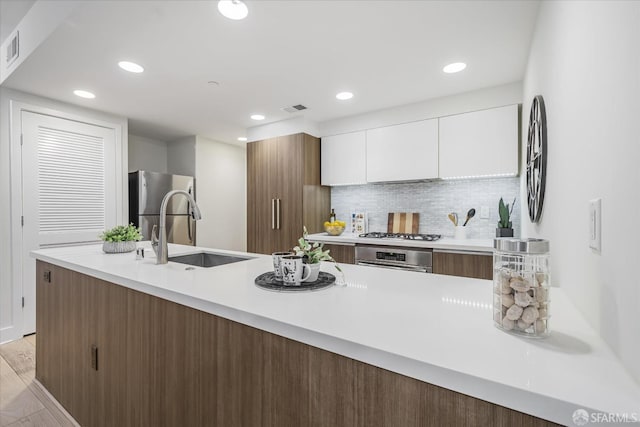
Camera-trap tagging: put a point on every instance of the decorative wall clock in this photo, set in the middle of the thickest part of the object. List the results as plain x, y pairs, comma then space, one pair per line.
536, 158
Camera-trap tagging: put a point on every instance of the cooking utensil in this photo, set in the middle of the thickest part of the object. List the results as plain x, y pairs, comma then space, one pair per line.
470, 215
453, 219
403, 222
455, 215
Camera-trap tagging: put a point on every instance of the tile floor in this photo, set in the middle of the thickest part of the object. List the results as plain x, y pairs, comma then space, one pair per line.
22, 400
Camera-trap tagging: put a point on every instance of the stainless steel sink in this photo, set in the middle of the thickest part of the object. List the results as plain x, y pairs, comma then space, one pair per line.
207, 259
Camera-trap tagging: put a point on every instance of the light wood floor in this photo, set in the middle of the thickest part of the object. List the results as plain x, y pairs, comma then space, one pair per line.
22, 400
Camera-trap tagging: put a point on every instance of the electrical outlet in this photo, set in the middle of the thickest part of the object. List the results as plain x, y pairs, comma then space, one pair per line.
595, 224
484, 212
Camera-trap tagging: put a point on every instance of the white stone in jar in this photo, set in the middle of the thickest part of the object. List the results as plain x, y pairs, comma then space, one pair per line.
542, 313
502, 281
541, 326
504, 274
542, 294
508, 324
541, 278
519, 284
507, 300
530, 314
514, 312
497, 317
522, 324
523, 299
505, 289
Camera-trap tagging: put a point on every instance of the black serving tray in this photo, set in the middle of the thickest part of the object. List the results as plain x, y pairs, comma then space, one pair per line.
268, 281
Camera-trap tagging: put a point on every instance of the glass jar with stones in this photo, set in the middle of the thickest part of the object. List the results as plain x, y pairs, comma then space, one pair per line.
521, 286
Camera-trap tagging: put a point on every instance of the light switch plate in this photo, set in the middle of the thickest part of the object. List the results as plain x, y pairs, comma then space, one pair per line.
595, 224
484, 212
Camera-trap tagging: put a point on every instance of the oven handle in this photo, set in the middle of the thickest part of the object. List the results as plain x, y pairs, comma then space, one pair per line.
393, 267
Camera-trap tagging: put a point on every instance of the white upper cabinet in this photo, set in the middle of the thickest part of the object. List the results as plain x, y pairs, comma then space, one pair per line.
342, 159
403, 152
481, 143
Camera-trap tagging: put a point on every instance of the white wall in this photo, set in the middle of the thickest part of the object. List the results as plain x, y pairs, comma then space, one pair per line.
147, 154
584, 61
7, 316
181, 156
221, 194
482, 99
292, 126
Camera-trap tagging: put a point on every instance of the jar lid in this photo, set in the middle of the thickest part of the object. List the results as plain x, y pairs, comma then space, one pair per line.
526, 246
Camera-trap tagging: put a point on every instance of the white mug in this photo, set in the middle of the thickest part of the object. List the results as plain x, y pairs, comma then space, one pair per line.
277, 263
293, 270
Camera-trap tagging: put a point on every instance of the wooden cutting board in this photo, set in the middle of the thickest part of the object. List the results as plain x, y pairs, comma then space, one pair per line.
403, 222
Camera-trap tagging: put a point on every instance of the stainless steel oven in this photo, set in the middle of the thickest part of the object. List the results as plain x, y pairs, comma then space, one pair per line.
414, 259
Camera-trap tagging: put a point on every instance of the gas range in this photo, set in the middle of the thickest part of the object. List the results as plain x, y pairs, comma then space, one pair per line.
405, 236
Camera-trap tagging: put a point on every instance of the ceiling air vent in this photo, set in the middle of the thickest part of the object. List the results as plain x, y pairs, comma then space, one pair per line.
13, 49
294, 108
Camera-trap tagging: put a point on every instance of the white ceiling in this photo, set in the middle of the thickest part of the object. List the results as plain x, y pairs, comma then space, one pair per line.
388, 53
11, 12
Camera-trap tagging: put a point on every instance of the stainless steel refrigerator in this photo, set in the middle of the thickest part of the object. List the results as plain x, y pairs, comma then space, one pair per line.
146, 191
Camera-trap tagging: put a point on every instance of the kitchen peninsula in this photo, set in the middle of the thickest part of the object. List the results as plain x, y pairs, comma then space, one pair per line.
128, 342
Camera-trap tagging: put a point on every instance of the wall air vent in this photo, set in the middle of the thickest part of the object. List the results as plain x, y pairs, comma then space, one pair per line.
13, 49
294, 108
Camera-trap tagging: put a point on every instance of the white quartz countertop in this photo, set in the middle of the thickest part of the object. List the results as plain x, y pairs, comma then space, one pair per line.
438, 329
447, 243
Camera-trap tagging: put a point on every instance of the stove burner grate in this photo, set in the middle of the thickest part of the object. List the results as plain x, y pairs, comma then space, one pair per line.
404, 236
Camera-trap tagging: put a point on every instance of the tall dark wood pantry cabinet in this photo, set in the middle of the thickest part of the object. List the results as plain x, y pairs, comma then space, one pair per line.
284, 192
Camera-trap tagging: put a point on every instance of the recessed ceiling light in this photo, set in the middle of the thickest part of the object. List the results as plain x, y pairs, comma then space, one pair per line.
455, 67
233, 9
132, 67
242, 138
83, 94
343, 96
257, 117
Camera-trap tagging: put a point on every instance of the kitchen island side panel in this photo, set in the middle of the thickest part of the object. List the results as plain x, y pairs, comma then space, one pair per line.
187, 367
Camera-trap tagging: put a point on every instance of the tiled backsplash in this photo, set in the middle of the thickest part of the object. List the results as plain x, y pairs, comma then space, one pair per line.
433, 200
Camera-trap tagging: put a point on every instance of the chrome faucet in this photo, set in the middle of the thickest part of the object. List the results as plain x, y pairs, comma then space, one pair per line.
159, 243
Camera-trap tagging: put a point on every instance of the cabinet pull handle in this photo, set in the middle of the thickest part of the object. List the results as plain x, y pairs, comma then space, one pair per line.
189, 218
94, 357
47, 276
273, 214
278, 215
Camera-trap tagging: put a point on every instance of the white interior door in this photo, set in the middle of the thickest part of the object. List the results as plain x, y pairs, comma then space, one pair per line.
69, 179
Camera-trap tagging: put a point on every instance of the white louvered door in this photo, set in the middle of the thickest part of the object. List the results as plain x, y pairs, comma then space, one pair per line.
69, 189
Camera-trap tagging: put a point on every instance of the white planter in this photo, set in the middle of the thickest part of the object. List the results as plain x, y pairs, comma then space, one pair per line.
118, 247
315, 271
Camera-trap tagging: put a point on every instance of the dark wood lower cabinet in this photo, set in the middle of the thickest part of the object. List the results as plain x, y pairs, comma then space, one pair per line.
172, 365
76, 312
342, 253
479, 266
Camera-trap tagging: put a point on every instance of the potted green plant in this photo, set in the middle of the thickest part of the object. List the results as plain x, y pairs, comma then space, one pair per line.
313, 254
505, 228
120, 239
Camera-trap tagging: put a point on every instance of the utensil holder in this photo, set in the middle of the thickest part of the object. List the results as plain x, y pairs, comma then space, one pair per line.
460, 232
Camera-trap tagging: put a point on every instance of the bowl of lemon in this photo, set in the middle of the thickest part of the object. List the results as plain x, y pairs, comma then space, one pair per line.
334, 228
